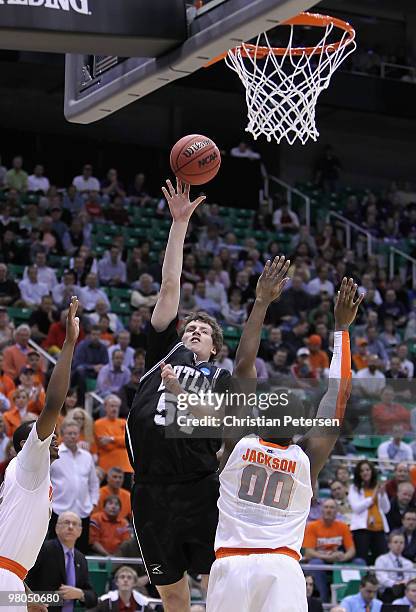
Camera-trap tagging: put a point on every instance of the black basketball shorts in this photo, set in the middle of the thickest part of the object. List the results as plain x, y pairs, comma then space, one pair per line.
175, 526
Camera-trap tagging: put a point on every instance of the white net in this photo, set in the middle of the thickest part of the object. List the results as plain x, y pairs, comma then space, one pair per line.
282, 90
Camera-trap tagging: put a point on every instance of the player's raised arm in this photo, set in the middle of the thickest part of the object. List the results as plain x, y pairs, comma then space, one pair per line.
269, 288
59, 382
318, 443
181, 209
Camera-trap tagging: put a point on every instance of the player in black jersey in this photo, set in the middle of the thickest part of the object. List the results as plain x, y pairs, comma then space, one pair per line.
174, 499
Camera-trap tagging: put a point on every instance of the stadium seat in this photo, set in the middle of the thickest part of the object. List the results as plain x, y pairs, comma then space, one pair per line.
19, 315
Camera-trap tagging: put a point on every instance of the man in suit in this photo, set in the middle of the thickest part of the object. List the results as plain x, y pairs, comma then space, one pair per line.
400, 504
408, 529
61, 567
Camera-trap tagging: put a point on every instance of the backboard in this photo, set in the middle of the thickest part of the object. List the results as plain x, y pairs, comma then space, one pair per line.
96, 86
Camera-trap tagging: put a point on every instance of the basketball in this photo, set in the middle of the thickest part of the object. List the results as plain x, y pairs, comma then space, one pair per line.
195, 159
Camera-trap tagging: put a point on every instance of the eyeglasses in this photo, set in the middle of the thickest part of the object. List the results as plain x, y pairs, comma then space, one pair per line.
68, 523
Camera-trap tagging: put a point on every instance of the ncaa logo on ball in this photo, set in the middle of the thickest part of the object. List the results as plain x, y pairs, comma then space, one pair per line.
207, 160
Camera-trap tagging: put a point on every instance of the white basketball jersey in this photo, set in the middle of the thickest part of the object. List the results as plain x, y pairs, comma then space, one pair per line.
265, 496
24, 512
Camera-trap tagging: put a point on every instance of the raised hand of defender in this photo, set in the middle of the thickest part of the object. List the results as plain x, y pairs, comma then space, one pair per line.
346, 306
170, 379
272, 280
180, 206
72, 322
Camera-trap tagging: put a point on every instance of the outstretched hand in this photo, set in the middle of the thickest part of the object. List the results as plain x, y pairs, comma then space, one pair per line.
180, 206
272, 280
72, 322
346, 306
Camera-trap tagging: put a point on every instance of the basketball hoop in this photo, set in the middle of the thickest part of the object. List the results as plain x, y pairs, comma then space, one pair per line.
283, 83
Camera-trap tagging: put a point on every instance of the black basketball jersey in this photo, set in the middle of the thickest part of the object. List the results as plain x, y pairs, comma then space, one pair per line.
158, 450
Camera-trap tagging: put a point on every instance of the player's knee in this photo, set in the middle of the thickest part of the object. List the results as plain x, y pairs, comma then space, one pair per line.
175, 600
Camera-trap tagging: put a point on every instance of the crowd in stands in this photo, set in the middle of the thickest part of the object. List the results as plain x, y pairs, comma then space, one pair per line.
103, 241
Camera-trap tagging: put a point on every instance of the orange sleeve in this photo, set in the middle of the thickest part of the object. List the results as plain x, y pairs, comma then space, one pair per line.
95, 528
309, 541
8, 425
36, 406
347, 537
325, 360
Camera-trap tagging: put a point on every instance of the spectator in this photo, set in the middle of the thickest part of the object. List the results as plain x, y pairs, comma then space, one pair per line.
243, 150
368, 285
34, 361
401, 474
388, 413
234, 312
327, 541
123, 345
7, 385
90, 294
395, 449
108, 530
145, 292
89, 357
75, 483
187, 303
409, 598
86, 182
138, 328
56, 335
72, 200
406, 366
63, 291
110, 437
369, 381
392, 585
214, 289
18, 413
42, 318
31, 290
111, 186
318, 359
46, 274
37, 181
34, 390
321, 283
224, 360
125, 595
369, 505
112, 270
16, 177
285, 220
343, 475
400, 504
102, 308
135, 265
63, 568
394, 370
4, 440
106, 335
113, 375
314, 604
328, 170
389, 336
9, 291
340, 494
138, 194
302, 371
408, 529
393, 309
86, 436
128, 391
278, 370
375, 345
15, 357
366, 599
115, 479
6, 328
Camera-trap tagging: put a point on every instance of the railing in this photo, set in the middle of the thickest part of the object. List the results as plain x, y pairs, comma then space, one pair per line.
409, 71
290, 192
349, 225
393, 252
90, 395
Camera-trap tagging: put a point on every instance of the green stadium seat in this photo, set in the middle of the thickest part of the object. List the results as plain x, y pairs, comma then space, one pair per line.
90, 384
99, 574
19, 315
120, 293
120, 308
232, 332
16, 271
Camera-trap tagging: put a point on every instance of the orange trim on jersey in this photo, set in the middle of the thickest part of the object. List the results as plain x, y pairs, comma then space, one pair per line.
13, 567
231, 552
345, 382
272, 444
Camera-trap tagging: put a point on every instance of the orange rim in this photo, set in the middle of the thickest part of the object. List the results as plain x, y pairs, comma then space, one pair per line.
303, 19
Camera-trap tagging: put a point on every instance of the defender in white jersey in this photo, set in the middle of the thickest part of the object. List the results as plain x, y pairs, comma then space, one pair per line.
25, 506
265, 493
